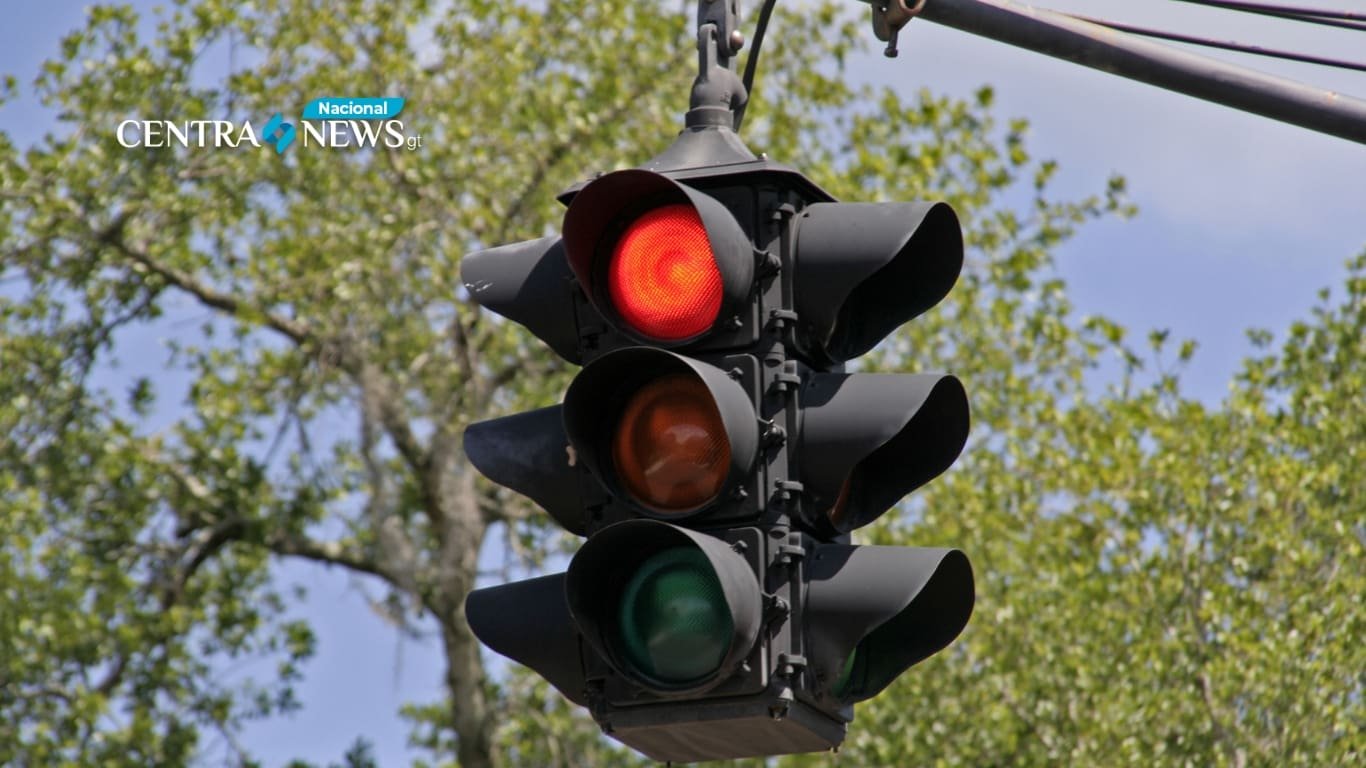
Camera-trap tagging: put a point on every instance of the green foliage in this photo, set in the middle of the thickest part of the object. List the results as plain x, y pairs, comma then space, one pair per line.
1160, 581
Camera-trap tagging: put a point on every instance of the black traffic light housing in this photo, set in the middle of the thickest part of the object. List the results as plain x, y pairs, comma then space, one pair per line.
717, 467
623, 578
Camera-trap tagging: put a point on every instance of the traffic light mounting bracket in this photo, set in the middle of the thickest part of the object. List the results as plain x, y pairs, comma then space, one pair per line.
717, 92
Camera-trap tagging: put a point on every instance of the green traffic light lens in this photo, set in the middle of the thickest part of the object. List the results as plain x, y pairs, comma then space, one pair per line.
841, 686
674, 625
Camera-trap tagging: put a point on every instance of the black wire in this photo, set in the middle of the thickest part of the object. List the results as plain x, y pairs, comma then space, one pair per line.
1290, 9
1342, 19
1228, 46
752, 61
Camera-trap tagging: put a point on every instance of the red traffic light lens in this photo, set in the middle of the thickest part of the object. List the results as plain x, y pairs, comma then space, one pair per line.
670, 448
662, 277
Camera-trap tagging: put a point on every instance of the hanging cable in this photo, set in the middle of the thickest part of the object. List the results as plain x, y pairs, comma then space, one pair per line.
752, 61
1228, 46
1342, 19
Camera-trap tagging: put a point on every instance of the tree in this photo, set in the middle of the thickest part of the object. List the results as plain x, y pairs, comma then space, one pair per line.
325, 286
1136, 551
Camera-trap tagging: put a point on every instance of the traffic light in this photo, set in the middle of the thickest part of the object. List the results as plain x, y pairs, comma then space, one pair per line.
716, 455
664, 264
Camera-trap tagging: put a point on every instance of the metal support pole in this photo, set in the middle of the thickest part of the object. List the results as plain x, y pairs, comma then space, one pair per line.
1121, 54
717, 92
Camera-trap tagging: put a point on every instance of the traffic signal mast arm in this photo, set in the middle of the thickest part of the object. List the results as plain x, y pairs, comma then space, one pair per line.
1104, 48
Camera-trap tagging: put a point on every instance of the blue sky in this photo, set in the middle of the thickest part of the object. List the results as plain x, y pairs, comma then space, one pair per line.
1241, 221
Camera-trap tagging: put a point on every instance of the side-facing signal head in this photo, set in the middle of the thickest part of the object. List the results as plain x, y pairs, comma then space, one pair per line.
863, 269
873, 612
869, 439
529, 283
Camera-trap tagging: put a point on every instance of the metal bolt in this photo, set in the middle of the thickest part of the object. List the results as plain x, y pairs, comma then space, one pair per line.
737, 40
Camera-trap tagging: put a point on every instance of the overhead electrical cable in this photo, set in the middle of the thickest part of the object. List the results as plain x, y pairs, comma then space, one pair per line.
752, 61
1225, 45
1342, 19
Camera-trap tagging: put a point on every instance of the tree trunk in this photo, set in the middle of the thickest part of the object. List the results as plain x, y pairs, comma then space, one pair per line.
470, 714
461, 539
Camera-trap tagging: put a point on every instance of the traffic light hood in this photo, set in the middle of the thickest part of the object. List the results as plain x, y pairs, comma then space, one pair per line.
605, 211
873, 612
599, 396
868, 439
529, 622
864, 269
529, 283
529, 453
674, 610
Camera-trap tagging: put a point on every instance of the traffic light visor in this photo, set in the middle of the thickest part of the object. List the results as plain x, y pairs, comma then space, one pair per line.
674, 610
868, 439
864, 269
668, 434
873, 612
526, 452
529, 622
662, 262
531, 284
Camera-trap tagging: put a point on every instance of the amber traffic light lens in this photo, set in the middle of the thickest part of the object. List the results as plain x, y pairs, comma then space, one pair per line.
839, 513
670, 447
662, 277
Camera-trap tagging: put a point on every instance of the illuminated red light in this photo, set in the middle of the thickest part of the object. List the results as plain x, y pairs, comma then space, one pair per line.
662, 277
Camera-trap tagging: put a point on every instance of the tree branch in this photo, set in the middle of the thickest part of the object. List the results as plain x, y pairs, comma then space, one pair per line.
396, 424
575, 139
327, 553
295, 330
387, 404
211, 542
